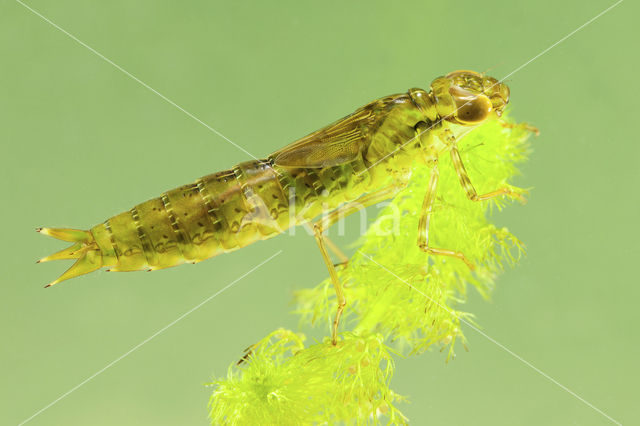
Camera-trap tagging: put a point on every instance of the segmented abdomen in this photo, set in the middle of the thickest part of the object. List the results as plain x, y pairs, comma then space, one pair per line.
218, 213
223, 212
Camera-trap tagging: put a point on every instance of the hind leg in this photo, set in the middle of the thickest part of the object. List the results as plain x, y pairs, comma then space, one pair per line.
323, 224
333, 247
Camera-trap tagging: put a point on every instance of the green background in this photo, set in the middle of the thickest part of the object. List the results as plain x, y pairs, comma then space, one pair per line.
82, 141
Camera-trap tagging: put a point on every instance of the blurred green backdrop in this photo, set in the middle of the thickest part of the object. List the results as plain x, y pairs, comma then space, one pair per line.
81, 141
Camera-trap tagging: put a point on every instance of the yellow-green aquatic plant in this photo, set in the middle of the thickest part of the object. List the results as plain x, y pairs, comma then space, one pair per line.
396, 295
284, 383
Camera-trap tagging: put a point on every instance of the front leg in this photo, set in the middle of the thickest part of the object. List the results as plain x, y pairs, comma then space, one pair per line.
463, 176
468, 187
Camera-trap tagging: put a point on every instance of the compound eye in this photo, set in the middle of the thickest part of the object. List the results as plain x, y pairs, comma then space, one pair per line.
471, 108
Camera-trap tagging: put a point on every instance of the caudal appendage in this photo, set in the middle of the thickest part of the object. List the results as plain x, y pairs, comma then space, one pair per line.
84, 248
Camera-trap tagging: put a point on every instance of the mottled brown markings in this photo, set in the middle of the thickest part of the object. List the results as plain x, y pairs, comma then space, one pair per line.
318, 186
285, 196
112, 238
180, 237
147, 248
206, 202
258, 180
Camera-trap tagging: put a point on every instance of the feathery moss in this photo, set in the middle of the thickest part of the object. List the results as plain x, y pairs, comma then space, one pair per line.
280, 382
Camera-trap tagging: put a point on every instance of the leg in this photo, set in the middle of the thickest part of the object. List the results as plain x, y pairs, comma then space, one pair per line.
525, 126
468, 186
336, 250
320, 226
425, 217
332, 246
472, 194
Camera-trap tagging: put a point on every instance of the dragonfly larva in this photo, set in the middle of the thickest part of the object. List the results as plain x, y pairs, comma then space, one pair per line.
355, 162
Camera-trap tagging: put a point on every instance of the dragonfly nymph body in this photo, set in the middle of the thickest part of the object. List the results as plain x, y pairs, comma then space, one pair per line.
355, 162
